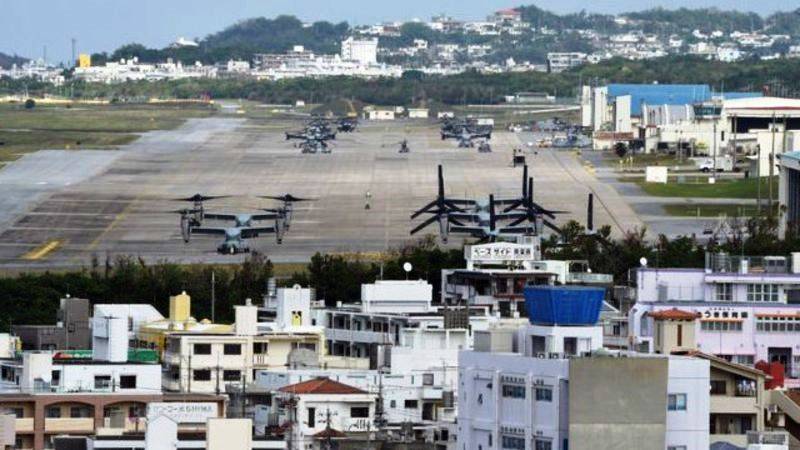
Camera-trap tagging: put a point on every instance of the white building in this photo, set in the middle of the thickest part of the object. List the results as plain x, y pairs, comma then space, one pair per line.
364, 51
561, 61
207, 362
742, 309
557, 388
322, 405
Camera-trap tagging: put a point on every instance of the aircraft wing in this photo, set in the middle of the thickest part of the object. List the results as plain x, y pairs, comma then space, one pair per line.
269, 216
255, 231
208, 230
218, 216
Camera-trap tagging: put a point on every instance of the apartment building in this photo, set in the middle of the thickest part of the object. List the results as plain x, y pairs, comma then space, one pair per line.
742, 309
207, 362
552, 386
497, 273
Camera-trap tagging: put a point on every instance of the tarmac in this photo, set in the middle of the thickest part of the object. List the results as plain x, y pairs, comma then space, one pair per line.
70, 208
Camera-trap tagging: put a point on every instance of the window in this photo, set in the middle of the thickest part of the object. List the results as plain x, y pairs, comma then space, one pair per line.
17, 412
747, 360
393, 404
202, 349
724, 292
541, 444
676, 402
102, 381
260, 348
53, 412
312, 417
762, 292
427, 379
410, 404
232, 349
201, 375
513, 391
127, 381
544, 395
232, 375
720, 325
512, 442
79, 412
359, 412
718, 387
55, 378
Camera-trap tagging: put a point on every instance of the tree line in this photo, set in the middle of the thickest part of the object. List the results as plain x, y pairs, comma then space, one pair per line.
781, 77
32, 298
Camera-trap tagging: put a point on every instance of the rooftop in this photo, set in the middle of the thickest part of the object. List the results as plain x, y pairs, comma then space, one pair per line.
321, 386
674, 314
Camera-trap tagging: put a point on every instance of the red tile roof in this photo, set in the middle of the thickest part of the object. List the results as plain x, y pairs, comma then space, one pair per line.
321, 386
329, 433
674, 314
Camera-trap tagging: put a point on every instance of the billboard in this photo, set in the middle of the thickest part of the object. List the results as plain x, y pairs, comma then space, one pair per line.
180, 412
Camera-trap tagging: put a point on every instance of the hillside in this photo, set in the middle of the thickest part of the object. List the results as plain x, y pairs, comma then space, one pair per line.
7, 61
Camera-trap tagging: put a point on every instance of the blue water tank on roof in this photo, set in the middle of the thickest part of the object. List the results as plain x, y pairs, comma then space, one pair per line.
564, 305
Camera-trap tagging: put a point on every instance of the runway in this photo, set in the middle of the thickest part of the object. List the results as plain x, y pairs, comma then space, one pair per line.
101, 204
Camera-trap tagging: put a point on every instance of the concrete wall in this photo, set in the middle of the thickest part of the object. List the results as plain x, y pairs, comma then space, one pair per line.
617, 403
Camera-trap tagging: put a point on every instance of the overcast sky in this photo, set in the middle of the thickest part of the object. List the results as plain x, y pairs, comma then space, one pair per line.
27, 26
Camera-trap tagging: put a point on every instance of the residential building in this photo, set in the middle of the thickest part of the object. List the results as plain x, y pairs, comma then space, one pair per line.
497, 273
552, 386
742, 309
208, 362
320, 406
78, 392
364, 51
561, 61
71, 331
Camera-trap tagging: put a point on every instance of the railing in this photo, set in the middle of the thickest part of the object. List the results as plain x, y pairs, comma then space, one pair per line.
80, 425
592, 278
768, 437
365, 336
672, 293
24, 425
726, 263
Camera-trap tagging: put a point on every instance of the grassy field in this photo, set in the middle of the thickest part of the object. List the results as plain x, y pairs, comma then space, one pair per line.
747, 188
85, 126
711, 210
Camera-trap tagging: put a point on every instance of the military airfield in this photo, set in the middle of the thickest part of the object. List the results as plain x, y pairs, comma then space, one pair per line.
66, 208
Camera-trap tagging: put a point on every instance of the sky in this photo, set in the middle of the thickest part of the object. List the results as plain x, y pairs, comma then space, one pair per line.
27, 26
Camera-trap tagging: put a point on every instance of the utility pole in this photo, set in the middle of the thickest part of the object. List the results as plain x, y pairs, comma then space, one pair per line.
244, 395
758, 179
328, 443
213, 297
771, 164
74, 42
715, 149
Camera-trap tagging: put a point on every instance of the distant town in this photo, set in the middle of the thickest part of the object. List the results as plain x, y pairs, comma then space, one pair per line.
509, 40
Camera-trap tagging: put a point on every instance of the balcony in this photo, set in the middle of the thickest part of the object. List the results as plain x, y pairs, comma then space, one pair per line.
768, 438
363, 336
589, 278
739, 440
78, 425
672, 293
722, 404
24, 425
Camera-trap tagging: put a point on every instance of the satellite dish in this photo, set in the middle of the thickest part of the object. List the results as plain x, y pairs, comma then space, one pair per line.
643, 261
407, 267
